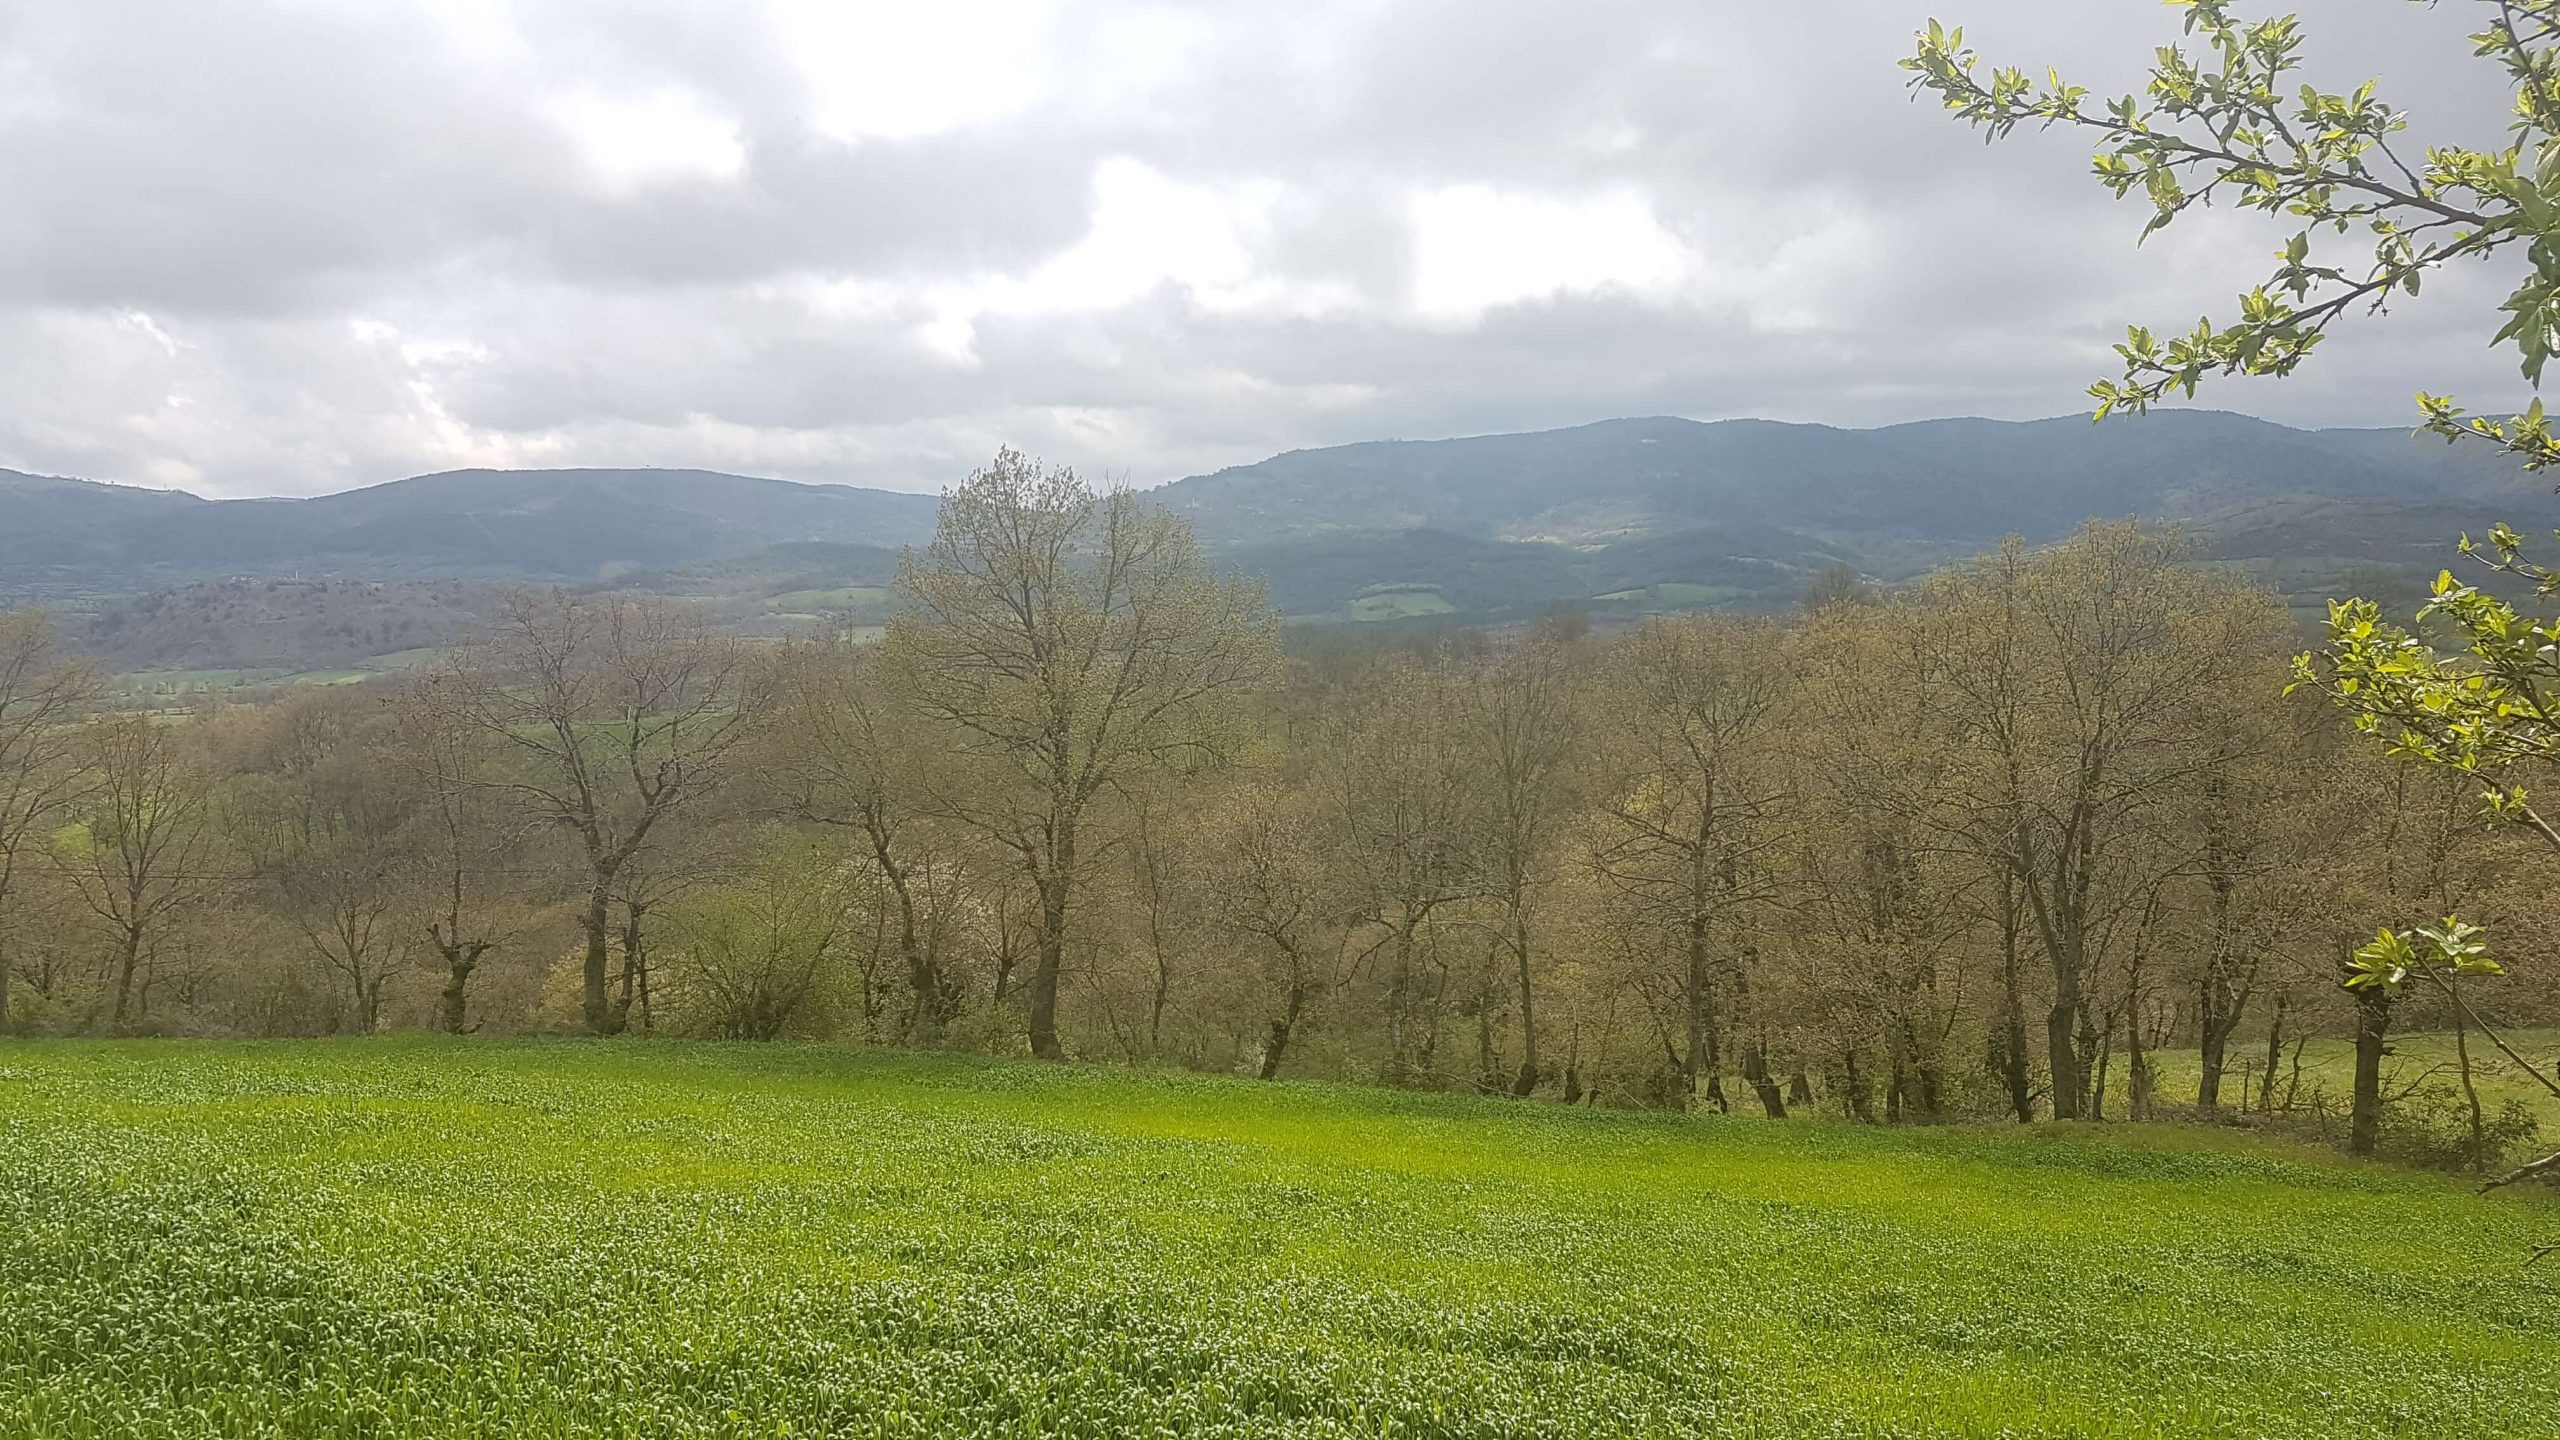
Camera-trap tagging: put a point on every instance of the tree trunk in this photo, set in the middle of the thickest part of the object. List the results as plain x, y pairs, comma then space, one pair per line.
1700, 1057
459, 962
933, 1002
2212, 1041
1275, 1042
2094, 1106
2479, 1153
2062, 1054
1857, 1087
598, 924
1162, 997
2137, 1074
2373, 1028
2013, 1057
128, 960
1527, 1080
2275, 1054
1755, 1068
1045, 968
1928, 1085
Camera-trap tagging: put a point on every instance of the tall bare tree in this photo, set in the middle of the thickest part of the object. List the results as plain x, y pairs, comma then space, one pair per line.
1393, 773
322, 817
2076, 674
145, 848
465, 846
1529, 742
1072, 640
43, 693
617, 715
1695, 801
1267, 883
851, 753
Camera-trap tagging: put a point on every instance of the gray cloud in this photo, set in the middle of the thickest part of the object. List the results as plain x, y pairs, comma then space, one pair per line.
280, 246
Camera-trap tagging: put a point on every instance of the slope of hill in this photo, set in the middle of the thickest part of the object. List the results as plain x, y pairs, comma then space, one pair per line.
1626, 514
1747, 511
73, 536
805, 1240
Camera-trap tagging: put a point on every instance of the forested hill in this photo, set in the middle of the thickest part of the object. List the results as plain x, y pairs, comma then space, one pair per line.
1656, 510
583, 525
1633, 514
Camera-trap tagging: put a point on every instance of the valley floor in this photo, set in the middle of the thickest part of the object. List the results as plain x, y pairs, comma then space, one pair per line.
412, 1238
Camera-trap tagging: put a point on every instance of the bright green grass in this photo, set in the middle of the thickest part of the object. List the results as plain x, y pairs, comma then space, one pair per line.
844, 597
195, 682
1677, 593
409, 1238
1400, 605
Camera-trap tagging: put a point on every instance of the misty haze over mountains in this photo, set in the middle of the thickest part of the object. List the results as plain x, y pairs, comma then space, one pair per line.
1635, 514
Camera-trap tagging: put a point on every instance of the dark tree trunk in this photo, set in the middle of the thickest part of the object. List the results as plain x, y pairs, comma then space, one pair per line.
1700, 1059
2062, 1054
1755, 1068
128, 960
2212, 1046
2373, 1029
602, 1016
1051, 958
635, 967
1526, 1081
1928, 1088
2275, 1053
1857, 1086
459, 961
2013, 1053
2137, 1075
2094, 1103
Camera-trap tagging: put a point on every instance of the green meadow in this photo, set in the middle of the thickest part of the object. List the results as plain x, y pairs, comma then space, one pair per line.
406, 1237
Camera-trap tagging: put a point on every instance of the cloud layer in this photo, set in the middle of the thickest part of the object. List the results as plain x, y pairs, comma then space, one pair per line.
289, 246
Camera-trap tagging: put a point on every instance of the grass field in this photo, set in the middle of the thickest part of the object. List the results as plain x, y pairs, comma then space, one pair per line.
407, 1238
1400, 603
844, 597
2329, 1065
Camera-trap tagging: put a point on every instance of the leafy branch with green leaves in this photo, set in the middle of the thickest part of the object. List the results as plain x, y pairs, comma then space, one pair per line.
2230, 121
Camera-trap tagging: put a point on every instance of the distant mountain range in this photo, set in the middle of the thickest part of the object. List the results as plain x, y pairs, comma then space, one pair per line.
1627, 514
1661, 511
577, 525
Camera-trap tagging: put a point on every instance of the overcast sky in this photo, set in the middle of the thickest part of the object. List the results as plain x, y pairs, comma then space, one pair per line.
288, 246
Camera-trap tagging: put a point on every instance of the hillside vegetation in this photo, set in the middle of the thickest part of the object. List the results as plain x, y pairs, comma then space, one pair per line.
412, 1238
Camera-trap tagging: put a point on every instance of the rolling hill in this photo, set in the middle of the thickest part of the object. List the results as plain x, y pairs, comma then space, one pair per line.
1664, 512
1625, 515
76, 536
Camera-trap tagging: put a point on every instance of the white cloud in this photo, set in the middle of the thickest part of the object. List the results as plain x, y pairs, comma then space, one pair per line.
1476, 248
898, 69
662, 136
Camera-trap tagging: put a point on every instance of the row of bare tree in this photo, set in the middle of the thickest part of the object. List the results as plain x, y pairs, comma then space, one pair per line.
1982, 845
